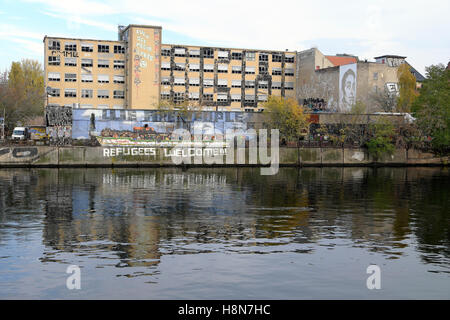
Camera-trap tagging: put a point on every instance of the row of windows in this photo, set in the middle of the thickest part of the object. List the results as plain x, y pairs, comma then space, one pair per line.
223, 68
85, 47
72, 77
87, 93
72, 62
224, 54
223, 83
195, 96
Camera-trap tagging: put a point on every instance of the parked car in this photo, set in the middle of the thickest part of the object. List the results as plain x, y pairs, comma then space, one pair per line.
20, 133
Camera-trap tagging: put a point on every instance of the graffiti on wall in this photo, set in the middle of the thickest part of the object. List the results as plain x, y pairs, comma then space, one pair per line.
20, 152
347, 86
143, 55
157, 40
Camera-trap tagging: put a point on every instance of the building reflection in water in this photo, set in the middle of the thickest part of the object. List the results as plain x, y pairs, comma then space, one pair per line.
133, 217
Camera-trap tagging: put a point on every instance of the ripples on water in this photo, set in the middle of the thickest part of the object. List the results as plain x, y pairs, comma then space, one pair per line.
225, 233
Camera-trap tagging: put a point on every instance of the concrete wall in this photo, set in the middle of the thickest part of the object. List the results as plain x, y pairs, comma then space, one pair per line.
107, 157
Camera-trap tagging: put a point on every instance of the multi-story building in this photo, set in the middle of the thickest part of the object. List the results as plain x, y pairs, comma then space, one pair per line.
138, 72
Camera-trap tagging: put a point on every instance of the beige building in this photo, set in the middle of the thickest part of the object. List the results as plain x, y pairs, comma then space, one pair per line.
138, 72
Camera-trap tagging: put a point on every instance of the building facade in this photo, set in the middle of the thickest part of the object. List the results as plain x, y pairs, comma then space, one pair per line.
139, 72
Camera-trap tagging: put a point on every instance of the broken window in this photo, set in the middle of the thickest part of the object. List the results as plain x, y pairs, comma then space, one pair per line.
70, 46
179, 66
119, 94
165, 95
103, 63
236, 55
53, 61
70, 77
208, 53
103, 48
87, 62
70, 93
289, 58
54, 45
103, 94
70, 62
54, 76
208, 97
165, 52
276, 57
87, 47
103, 78
178, 97
264, 57
87, 93
119, 49
54, 92
87, 78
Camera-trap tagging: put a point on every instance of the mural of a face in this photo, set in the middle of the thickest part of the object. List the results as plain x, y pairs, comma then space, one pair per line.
349, 89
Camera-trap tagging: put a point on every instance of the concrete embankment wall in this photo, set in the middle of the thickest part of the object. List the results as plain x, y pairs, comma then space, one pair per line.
45, 156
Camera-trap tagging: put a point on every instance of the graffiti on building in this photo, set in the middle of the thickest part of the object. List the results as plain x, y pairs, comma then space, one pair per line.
157, 41
58, 116
25, 152
347, 86
4, 151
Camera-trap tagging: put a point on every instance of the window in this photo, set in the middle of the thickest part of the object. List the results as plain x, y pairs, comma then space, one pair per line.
103, 63
250, 56
264, 57
87, 47
165, 81
194, 67
87, 62
103, 78
70, 93
236, 69
263, 69
119, 49
263, 85
289, 59
249, 98
222, 54
208, 82
235, 97
222, 98
70, 62
249, 84
289, 85
165, 66
103, 106
53, 61
103, 94
54, 76
208, 53
194, 96
289, 72
276, 71
165, 95
208, 97
262, 97
54, 92
276, 85
87, 78
276, 57
222, 68
70, 46
119, 94
119, 79
119, 64
179, 66
178, 97
70, 77
87, 93
54, 45
194, 53
103, 48
165, 52
195, 82
236, 55
86, 106
208, 68
250, 70
236, 83
179, 81
222, 83
180, 52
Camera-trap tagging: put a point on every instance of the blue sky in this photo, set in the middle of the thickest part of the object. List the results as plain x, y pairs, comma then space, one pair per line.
416, 29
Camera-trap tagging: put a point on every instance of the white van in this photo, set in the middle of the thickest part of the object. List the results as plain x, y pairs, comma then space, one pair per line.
20, 133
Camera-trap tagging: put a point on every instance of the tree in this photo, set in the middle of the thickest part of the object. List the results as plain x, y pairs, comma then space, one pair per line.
432, 107
22, 92
384, 100
381, 139
407, 88
286, 116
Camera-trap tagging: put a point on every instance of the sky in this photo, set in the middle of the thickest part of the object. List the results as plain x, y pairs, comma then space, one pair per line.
419, 30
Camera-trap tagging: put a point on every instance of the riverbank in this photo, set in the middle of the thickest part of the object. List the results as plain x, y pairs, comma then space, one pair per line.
47, 156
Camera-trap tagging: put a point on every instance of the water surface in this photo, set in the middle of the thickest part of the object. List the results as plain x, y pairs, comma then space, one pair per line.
225, 233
